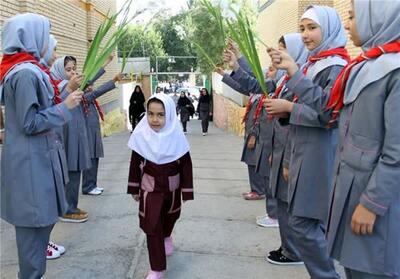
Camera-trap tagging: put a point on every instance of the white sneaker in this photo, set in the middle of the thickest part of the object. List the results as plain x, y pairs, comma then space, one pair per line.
95, 192
261, 217
57, 247
204, 134
52, 253
100, 188
268, 222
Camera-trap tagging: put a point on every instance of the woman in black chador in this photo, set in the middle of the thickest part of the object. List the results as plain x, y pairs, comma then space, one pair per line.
136, 106
185, 106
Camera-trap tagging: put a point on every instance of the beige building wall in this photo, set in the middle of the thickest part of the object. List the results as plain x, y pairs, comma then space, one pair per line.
343, 6
74, 24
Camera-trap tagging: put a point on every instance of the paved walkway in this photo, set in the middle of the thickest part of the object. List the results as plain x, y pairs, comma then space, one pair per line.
216, 237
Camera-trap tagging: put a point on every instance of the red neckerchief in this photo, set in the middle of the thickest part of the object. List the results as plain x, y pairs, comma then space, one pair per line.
248, 108
54, 83
280, 87
260, 105
340, 51
10, 61
336, 98
85, 104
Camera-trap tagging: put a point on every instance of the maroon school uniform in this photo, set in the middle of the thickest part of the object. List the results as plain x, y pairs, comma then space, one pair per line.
160, 187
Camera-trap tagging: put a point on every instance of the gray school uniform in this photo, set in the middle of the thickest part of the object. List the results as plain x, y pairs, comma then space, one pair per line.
313, 148
76, 139
78, 154
93, 122
32, 180
264, 130
76, 135
280, 154
89, 176
257, 157
367, 171
311, 162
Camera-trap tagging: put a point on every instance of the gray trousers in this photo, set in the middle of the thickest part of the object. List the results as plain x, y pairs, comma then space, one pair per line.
257, 181
31, 246
204, 125
89, 177
309, 238
260, 184
271, 203
289, 249
353, 274
72, 191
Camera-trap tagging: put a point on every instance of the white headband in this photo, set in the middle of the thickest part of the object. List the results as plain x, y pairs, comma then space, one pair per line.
311, 14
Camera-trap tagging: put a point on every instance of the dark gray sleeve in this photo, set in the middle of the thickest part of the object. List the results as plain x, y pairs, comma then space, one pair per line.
228, 80
64, 93
315, 94
250, 84
383, 187
99, 74
244, 64
106, 87
30, 118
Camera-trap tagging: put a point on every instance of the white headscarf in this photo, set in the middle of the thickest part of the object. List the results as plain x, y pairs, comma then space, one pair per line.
165, 146
52, 45
58, 72
333, 36
311, 14
378, 22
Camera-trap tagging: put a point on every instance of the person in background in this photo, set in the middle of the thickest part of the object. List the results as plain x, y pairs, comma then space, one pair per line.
204, 109
136, 106
184, 106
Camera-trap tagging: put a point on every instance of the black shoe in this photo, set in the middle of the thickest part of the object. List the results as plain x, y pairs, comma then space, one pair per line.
280, 259
277, 251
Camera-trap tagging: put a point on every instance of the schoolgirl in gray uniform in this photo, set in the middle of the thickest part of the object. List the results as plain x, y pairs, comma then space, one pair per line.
363, 228
313, 144
54, 250
32, 182
287, 254
75, 141
256, 158
92, 111
365, 205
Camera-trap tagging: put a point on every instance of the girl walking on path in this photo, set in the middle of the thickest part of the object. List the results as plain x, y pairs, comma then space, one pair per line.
160, 176
204, 109
184, 107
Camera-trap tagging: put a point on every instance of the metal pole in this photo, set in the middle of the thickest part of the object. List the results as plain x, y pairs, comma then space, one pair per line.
157, 69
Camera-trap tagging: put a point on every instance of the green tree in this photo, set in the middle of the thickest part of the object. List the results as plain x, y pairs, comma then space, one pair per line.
205, 32
175, 43
142, 43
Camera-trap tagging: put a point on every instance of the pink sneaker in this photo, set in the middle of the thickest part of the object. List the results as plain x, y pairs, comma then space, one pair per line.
155, 275
169, 246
